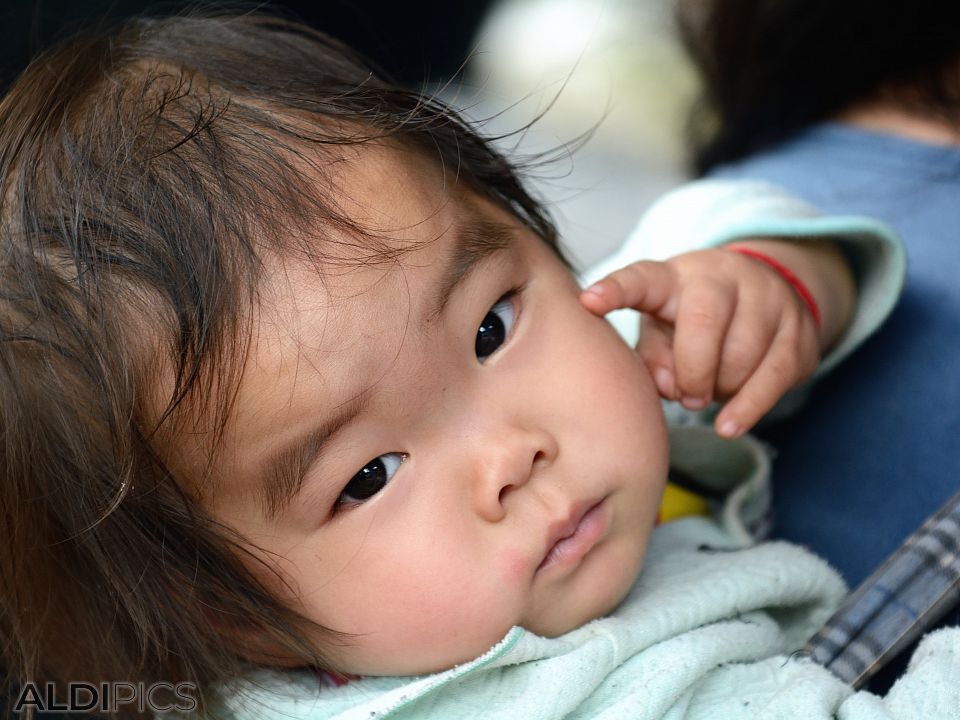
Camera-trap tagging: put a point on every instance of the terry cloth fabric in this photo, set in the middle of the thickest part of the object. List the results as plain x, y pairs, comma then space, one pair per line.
906, 596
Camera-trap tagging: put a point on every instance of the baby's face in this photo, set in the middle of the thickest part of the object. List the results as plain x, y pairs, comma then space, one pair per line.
477, 450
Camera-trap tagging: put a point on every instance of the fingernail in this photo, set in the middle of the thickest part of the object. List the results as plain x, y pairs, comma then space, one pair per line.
729, 429
663, 379
692, 403
595, 289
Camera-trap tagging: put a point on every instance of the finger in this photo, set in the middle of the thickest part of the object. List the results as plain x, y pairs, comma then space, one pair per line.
646, 286
747, 342
758, 320
784, 367
703, 318
655, 349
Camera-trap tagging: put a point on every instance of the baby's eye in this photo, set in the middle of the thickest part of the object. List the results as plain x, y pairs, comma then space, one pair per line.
495, 327
371, 479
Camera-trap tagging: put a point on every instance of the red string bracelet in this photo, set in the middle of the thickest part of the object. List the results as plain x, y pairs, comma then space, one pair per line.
802, 290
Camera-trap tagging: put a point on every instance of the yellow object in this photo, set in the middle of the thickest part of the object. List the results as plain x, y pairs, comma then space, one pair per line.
679, 502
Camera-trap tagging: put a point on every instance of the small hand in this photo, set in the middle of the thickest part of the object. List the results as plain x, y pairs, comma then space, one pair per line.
716, 325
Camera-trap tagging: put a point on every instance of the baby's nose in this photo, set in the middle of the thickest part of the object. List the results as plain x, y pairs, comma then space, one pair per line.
505, 465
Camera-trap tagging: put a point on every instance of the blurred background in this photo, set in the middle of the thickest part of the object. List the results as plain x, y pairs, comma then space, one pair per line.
612, 69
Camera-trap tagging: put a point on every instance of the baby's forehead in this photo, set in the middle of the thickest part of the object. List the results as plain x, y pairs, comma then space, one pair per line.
329, 285
406, 218
401, 277
388, 189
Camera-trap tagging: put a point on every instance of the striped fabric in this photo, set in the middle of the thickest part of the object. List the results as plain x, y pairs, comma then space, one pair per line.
913, 589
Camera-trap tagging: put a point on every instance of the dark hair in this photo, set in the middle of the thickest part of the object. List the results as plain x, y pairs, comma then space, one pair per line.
142, 174
773, 67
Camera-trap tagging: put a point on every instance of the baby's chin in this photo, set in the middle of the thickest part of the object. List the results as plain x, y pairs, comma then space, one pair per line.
555, 627
607, 586
566, 619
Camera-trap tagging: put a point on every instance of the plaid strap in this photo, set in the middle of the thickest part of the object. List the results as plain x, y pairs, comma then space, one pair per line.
913, 589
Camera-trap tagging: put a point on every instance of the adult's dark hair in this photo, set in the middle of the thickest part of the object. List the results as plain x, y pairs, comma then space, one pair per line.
773, 67
144, 174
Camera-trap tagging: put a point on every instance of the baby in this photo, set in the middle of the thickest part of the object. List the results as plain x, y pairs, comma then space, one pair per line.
296, 375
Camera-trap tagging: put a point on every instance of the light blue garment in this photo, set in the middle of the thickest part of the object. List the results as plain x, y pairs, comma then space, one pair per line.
874, 452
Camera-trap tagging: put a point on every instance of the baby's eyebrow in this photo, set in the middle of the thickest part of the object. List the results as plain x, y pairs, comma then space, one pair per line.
474, 241
286, 468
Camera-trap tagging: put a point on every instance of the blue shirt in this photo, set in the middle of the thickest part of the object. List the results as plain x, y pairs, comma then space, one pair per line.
876, 450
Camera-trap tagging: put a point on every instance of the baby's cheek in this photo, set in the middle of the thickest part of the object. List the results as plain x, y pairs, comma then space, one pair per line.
514, 568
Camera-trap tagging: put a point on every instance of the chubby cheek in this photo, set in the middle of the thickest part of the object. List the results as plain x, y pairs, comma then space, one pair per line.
514, 569
612, 382
416, 607
626, 362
